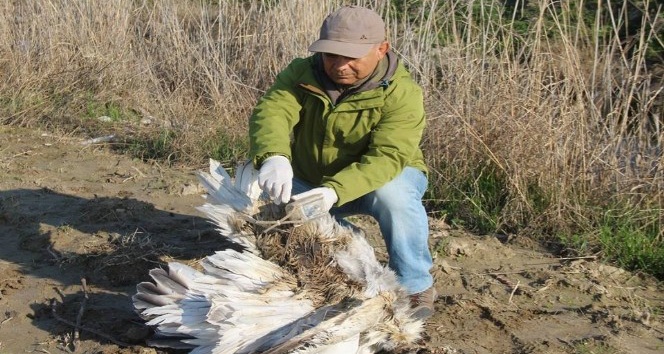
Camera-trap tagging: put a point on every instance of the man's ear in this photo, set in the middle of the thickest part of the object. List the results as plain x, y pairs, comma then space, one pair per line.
383, 48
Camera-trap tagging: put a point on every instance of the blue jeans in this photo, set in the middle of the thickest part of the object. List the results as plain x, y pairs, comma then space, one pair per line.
398, 209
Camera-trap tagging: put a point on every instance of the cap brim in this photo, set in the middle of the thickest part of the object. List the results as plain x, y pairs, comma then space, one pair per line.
351, 50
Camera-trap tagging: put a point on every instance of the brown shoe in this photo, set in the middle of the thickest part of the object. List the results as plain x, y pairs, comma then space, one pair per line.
422, 303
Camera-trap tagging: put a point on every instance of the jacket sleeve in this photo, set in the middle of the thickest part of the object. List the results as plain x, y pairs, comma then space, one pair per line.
394, 143
274, 117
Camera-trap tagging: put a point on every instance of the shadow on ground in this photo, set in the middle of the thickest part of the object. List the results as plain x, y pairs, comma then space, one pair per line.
110, 242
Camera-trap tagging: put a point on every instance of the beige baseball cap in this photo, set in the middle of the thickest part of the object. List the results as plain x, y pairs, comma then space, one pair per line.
350, 31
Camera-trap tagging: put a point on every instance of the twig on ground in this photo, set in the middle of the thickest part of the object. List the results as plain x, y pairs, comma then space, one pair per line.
27, 152
9, 315
95, 332
547, 284
551, 261
76, 340
62, 295
493, 274
53, 254
576, 258
561, 259
99, 140
514, 290
139, 172
514, 287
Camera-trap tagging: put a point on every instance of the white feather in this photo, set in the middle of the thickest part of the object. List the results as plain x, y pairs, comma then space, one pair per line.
221, 189
358, 261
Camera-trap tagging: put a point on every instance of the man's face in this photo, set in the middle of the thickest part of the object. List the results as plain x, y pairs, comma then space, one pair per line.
347, 71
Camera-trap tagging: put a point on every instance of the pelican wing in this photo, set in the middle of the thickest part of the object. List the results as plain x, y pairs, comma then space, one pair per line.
246, 302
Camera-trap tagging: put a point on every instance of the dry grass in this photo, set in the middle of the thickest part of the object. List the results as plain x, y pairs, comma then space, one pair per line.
550, 127
565, 121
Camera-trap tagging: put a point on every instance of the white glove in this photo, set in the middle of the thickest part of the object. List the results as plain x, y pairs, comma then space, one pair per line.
276, 178
329, 196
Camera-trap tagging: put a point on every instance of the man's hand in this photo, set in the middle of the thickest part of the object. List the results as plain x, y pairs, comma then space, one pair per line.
329, 196
276, 178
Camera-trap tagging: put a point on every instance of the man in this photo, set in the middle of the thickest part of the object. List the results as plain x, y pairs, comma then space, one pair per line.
346, 123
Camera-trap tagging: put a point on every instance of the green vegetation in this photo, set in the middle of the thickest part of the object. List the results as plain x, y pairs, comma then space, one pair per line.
593, 346
159, 146
111, 109
543, 118
225, 148
474, 203
632, 239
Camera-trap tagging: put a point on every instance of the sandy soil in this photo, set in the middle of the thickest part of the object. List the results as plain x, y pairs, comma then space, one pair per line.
80, 226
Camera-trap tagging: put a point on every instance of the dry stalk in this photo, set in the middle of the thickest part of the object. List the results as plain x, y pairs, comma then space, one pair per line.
55, 256
511, 285
9, 315
514, 291
53, 304
129, 248
81, 310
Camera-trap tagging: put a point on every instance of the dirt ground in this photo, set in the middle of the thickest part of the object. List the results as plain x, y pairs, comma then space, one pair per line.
80, 226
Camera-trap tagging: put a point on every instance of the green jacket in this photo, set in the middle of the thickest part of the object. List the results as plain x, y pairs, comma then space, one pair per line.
355, 146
